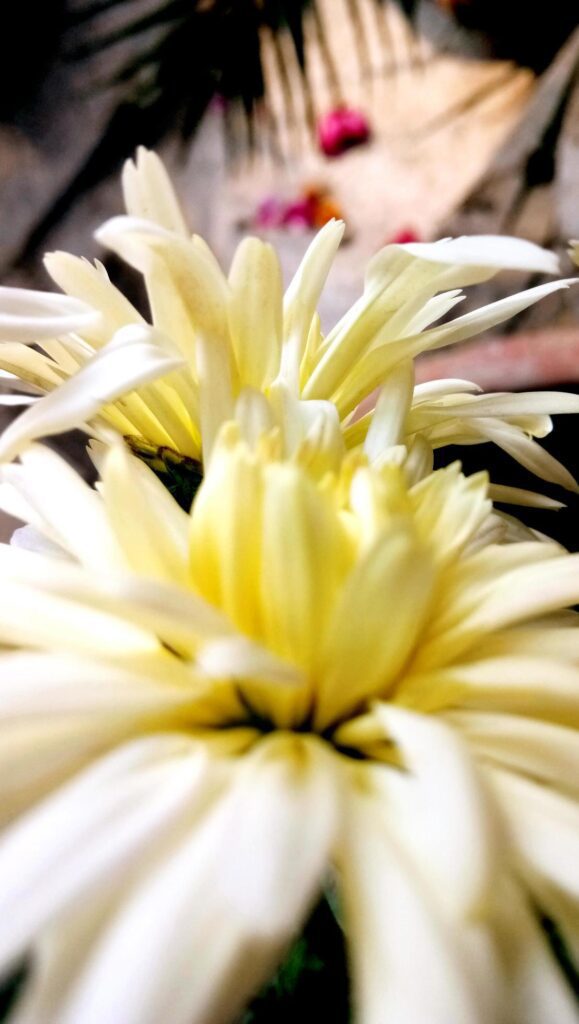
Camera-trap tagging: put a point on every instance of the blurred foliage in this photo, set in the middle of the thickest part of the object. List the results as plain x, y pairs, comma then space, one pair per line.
186, 52
528, 33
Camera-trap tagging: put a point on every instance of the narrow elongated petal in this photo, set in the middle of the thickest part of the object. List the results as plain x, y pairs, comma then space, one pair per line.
70, 511
537, 748
255, 312
388, 420
109, 815
91, 285
266, 845
28, 316
302, 297
376, 624
151, 528
148, 192
492, 252
387, 914
195, 276
130, 361
302, 567
444, 812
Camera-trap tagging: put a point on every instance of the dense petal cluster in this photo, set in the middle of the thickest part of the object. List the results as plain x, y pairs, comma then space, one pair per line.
221, 348
207, 717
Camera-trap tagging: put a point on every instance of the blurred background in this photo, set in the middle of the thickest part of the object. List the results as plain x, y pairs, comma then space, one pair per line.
411, 119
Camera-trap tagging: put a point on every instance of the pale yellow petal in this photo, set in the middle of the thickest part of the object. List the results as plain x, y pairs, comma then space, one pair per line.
255, 312
377, 622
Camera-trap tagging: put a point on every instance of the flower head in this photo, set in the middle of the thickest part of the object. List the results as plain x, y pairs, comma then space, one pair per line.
206, 716
231, 347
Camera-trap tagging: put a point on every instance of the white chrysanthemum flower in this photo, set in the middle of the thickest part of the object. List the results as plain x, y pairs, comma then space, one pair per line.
235, 347
205, 718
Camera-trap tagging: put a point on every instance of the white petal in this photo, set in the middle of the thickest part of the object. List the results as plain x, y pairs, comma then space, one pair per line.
544, 827
66, 509
151, 529
519, 496
28, 316
213, 919
255, 312
409, 965
148, 192
30, 539
99, 608
18, 399
302, 297
495, 252
483, 319
360, 656
103, 822
79, 278
445, 815
539, 749
387, 424
131, 359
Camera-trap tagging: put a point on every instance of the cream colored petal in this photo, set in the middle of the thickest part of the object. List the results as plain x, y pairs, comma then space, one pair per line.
30, 539
544, 828
448, 510
387, 424
349, 386
17, 400
497, 599
302, 297
226, 537
240, 658
289, 792
64, 507
442, 811
370, 321
397, 934
28, 316
101, 823
434, 309
31, 618
80, 279
132, 358
376, 624
489, 316
531, 686
215, 376
528, 592
435, 389
36, 686
225, 903
202, 288
527, 452
490, 252
148, 192
541, 750
530, 403
151, 529
255, 312
28, 368
169, 309
139, 612
254, 415
519, 496
304, 563
537, 991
